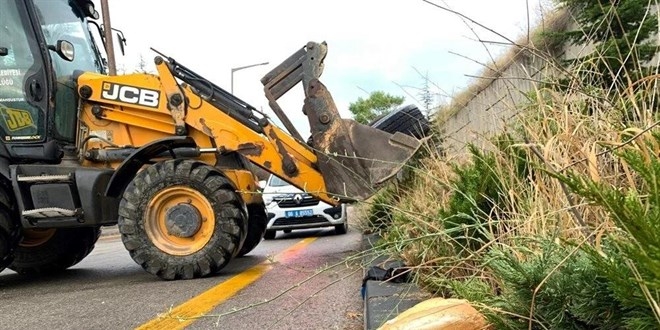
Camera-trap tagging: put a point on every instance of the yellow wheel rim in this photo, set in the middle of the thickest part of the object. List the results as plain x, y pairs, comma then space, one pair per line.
179, 220
35, 237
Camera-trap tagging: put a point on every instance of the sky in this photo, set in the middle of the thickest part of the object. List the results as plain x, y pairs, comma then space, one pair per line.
373, 45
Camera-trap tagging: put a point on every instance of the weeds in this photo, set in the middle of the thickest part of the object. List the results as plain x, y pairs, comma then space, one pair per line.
555, 226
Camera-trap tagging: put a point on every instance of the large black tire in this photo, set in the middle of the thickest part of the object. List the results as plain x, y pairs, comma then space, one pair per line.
408, 120
270, 234
10, 230
257, 222
341, 229
196, 242
54, 250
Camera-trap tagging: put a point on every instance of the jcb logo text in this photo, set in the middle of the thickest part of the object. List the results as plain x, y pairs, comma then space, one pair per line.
130, 94
16, 119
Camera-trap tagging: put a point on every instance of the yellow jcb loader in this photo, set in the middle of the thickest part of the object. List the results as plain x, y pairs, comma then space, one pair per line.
169, 157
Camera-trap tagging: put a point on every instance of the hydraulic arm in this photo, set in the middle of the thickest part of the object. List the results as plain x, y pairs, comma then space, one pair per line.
344, 160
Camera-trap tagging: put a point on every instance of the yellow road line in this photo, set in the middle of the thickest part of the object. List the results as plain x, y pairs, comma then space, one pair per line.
183, 315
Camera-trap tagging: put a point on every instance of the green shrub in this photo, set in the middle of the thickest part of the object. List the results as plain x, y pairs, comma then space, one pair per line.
613, 283
558, 287
480, 203
636, 242
380, 209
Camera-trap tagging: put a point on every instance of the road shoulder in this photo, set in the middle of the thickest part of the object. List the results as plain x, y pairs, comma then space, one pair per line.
384, 299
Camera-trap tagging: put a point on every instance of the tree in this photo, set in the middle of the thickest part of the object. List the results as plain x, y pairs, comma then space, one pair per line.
378, 103
620, 31
142, 66
425, 95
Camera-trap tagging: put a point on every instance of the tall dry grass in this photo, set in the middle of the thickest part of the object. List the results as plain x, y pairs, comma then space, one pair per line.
469, 224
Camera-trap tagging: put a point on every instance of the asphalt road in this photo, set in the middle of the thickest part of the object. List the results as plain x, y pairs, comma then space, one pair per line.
314, 284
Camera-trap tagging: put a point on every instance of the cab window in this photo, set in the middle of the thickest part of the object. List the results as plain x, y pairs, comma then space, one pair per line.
62, 20
18, 119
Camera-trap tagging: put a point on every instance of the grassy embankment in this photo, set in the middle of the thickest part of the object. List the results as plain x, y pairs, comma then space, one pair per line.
557, 224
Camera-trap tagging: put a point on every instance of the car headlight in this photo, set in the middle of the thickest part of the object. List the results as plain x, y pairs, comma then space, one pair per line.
267, 199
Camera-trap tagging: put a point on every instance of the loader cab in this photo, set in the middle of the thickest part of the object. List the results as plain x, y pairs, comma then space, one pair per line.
43, 45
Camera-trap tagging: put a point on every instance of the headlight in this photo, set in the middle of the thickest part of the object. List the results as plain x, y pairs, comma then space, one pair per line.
268, 199
276, 198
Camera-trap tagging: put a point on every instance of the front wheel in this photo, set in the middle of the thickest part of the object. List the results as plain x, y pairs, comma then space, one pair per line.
341, 229
181, 219
257, 222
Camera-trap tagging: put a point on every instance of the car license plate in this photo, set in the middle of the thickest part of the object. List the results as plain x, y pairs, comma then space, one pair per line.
299, 213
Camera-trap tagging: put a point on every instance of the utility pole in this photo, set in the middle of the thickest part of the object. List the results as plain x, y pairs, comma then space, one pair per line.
107, 35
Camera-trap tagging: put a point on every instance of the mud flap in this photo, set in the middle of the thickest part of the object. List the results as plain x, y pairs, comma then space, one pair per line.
355, 159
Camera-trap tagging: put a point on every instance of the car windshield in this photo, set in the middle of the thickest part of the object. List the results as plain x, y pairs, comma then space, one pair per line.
277, 182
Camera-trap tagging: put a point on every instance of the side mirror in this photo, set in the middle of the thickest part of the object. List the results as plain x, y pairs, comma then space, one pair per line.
262, 184
64, 49
122, 42
90, 11
4, 51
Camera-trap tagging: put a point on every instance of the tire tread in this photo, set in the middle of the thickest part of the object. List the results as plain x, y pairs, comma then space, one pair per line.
408, 120
230, 219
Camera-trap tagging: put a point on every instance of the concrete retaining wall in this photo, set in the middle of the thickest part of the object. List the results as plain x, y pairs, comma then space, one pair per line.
494, 99
490, 109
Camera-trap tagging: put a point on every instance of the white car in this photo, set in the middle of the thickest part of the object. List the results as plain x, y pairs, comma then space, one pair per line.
289, 208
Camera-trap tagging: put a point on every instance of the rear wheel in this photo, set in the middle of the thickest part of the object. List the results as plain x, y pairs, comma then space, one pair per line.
49, 251
270, 234
181, 219
257, 222
10, 230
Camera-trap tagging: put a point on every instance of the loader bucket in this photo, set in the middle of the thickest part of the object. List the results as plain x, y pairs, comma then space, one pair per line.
355, 159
